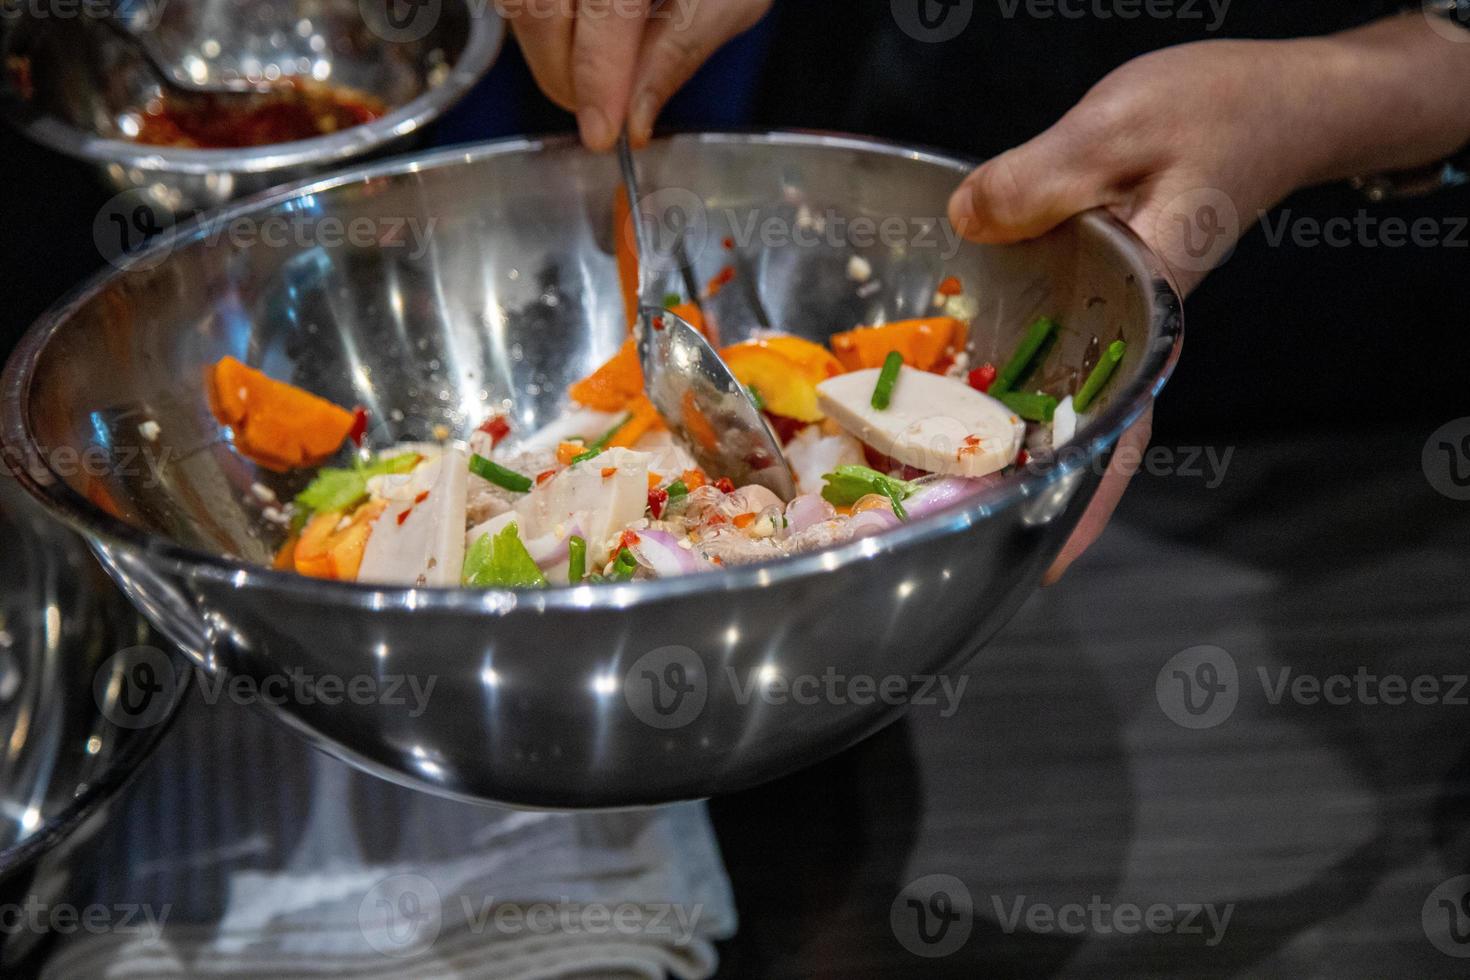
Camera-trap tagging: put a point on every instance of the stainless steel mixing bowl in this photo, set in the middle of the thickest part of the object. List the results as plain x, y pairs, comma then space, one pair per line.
72, 84
72, 730
591, 696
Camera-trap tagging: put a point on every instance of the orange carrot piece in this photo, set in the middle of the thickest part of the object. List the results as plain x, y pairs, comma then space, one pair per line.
613, 386
922, 343
568, 451
645, 419
323, 551
276, 424
625, 247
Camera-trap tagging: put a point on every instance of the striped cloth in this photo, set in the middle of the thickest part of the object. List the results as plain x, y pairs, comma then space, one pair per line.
243, 853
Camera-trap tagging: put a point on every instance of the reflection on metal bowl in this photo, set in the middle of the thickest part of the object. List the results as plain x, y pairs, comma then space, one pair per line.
71, 728
592, 696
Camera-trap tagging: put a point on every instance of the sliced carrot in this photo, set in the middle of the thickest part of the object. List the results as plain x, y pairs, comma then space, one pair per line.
816, 359
625, 247
613, 386
645, 419
743, 521
278, 425
922, 343
324, 551
568, 451
285, 560
693, 479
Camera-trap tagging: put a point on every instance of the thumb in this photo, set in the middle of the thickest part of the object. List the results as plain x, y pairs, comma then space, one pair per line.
1030, 190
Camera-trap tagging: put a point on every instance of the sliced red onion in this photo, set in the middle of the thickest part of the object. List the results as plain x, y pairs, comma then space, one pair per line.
549, 550
805, 511
945, 492
659, 552
871, 522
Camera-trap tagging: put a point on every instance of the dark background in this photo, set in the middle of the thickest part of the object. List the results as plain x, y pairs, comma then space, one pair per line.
1279, 339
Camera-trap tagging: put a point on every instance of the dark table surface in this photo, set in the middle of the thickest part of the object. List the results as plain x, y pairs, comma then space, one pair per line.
1062, 790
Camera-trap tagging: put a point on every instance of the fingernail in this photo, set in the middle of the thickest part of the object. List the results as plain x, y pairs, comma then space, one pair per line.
596, 130
645, 109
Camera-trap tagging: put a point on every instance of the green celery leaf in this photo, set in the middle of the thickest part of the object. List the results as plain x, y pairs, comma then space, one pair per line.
501, 561
339, 489
846, 485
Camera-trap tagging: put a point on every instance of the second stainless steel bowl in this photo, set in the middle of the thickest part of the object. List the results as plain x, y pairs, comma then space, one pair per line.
72, 84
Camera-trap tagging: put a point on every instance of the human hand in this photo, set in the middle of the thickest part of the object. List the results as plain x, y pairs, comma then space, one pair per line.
617, 61
1188, 145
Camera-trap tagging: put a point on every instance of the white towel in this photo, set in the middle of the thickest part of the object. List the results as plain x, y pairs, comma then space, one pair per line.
242, 852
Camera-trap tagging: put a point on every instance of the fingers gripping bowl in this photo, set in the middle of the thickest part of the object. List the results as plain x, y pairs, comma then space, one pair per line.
608, 695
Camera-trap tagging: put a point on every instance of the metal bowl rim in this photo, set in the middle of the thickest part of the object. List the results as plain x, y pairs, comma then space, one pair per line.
112, 783
482, 46
63, 502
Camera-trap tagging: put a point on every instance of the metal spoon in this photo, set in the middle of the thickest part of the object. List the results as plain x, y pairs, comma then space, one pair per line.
692, 387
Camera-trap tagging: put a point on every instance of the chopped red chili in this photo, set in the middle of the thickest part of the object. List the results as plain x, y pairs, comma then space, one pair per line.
359, 426
983, 377
658, 499
725, 485
496, 427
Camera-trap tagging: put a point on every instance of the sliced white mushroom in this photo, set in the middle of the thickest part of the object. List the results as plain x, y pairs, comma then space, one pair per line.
602, 496
1064, 423
419, 538
932, 422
